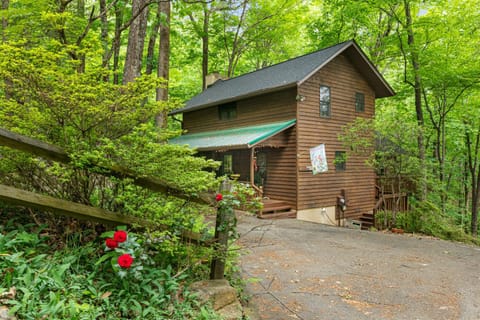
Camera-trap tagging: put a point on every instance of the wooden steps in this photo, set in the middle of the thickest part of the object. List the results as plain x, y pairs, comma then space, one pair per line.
368, 221
276, 209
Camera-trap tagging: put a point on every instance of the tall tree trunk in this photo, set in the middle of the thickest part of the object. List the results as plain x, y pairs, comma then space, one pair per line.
8, 82
104, 33
81, 56
473, 151
417, 86
116, 41
150, 64
164, 61
205, 39
5, 5
475, 203
136, 41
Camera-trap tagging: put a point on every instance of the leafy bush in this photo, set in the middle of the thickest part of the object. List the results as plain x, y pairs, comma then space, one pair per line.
98, 124
425, 218
78, 283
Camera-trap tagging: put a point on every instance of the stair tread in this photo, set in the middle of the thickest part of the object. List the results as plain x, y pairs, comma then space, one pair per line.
367, 219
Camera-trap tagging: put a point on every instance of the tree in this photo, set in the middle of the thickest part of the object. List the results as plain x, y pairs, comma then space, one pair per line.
163, 69
471, 123
136, 41
94, 121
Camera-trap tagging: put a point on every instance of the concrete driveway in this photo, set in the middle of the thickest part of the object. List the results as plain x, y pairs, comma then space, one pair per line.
302, 270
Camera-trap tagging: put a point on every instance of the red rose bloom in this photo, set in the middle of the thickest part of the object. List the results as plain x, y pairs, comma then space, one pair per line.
120, 236
219, 197
125, 261
112, 244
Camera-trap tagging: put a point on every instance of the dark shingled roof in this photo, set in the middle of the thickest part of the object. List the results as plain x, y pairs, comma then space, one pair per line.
287, 74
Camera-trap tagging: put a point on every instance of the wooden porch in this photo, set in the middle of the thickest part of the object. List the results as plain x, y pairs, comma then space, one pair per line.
276, 209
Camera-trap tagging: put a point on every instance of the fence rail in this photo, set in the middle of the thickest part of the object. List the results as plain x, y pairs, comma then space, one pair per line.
55, 153
51, 152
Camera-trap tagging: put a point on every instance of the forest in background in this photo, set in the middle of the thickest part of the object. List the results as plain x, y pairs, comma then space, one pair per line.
74, 73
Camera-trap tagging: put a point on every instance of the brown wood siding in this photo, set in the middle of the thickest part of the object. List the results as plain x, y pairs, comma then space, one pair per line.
267, 108
272, 107
282, 170
357, 180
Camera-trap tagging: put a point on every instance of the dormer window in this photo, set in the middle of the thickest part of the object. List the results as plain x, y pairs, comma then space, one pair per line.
227, 111
325, 101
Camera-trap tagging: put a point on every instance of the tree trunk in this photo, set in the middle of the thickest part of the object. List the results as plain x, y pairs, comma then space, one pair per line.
136, 41
417, 85
81, 56
104, 32
163, 61
116, 41
150, 64
5, 5
8, 82
205, 39
473, 150
475, 203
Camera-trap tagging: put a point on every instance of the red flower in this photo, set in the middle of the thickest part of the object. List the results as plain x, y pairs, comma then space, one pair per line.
112, 244
125, 261
120, 236
219, 197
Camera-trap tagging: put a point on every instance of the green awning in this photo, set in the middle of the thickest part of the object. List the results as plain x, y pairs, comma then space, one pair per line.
235, 138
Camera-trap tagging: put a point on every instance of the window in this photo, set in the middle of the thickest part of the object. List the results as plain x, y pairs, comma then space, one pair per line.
324, 101
340, 161
359, 102
227, 111
227, 164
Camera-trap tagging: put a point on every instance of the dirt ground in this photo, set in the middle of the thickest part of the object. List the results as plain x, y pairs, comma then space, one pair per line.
302, 270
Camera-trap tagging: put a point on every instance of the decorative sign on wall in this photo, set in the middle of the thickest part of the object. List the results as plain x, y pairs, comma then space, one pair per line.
318, 159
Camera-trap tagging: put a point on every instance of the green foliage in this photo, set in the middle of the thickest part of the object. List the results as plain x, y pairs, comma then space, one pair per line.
246, 197
425, 218
97, 123
68, 284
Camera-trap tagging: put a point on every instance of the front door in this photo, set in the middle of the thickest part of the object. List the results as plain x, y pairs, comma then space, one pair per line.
260, 169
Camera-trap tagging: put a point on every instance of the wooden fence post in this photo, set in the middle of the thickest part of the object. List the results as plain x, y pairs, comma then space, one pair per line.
222, 230
224, 223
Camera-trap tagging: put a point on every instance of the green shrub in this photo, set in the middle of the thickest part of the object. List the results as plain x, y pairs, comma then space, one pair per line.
426, 218
77, 282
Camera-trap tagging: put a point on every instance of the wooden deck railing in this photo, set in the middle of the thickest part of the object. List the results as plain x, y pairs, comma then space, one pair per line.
397, 202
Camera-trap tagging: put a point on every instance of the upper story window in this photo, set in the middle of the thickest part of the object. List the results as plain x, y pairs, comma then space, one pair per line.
359, 102
325, 101
227, 111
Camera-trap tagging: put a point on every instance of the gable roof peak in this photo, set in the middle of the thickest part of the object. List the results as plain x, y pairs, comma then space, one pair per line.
286, 74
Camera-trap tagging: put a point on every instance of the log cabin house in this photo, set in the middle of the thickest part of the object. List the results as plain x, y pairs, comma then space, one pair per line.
267, 126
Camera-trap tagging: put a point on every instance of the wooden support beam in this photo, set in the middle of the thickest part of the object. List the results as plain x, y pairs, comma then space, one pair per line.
55, 153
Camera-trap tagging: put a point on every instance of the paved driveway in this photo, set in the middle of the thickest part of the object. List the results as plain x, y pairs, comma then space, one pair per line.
302, 270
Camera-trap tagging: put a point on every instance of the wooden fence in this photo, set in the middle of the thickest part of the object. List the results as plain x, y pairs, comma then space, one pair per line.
51, 152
